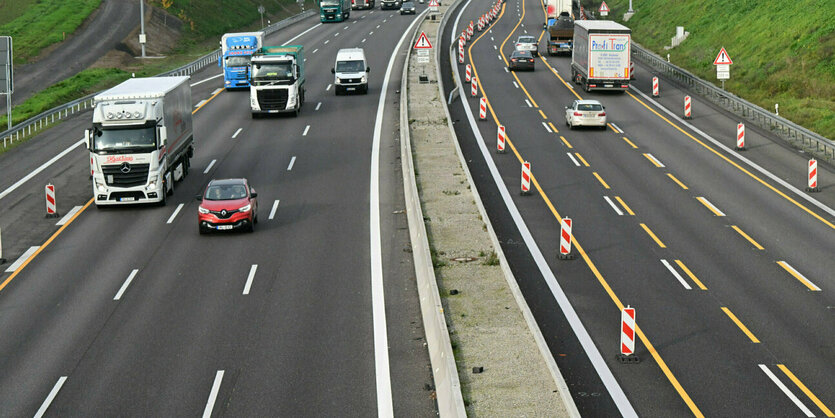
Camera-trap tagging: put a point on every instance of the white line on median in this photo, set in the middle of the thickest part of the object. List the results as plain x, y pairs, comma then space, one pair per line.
514, 83
126, 284
41, 168
272, 211
235, 135
210, 404
22, 259
547, 128
617, 210
206, 171
786, 390
249, 278
577, 163
206, 79
306, 128
318, 105
675, 273
69, 215
292, 161
52, 394
176, 211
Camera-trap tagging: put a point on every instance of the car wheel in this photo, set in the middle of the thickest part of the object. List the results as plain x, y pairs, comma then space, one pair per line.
571, 126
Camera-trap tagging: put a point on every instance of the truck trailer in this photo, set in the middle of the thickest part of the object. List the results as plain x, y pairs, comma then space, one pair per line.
334, 10
141, 140
236, 50
601, 55
560, 34
277, 83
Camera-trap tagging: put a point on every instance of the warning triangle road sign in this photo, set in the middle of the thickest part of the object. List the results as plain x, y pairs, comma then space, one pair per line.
433, 3
604, 8
423, 42
722, 58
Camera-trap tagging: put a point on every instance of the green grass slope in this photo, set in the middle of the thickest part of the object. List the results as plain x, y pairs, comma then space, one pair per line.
783, 51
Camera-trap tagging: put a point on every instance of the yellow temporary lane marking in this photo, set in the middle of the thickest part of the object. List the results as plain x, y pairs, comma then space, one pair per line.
208, 100
652, 235
554, 128
600, 179
543, 114
736, 165
710, 206
583, 160
806, 390
565, 141
740, 325
653, 160
613, 128
744, 235
801, 278
670, 175
629, 142
504, 58
691, 275
622, 203
603, 283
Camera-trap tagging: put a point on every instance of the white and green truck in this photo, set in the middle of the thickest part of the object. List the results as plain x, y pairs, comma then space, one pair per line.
277, 84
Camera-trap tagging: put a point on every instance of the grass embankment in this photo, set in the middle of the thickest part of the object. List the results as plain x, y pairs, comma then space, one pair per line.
783, 51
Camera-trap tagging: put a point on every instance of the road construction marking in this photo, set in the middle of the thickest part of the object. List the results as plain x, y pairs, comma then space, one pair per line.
653, 160
800, 277
200, 103
675, 274
553, 127
740, 325
629, 142
744, 235
572, 159
206, 171
616, 128
292, 161
210, 404
806, 390
565, 141
176, 211
582, 159
306, 128
622, 203
250, 278
612, 204
206, 79
691, 275
543, 114
22, 259
126, 284
653, 236
235, 135
318, 105
528, 102
69, 215
710, 206
272, 211
600, 179
52, 394
670, 175
547, 128
786, 391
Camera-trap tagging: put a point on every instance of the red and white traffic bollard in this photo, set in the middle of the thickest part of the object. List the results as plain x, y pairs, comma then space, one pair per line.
460, 53
468, 72
470, 30
501, 138
565, 239
687, 112
526, 178
482, 108
740, 137
655, 87
813, 176
627, 336
474, 89
51, 211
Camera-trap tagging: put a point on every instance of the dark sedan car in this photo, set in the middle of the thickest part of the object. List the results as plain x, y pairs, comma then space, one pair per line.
521, 60
407, 7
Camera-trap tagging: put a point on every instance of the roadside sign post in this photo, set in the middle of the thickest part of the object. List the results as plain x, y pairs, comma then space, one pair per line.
433, 6
604, 9
723, 66
6, 73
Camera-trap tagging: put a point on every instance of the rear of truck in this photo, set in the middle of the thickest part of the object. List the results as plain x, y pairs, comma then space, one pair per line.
362, 4
601, 55
277, 84
560, 35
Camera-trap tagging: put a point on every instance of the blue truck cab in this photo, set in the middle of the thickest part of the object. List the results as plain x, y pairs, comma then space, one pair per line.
236, 51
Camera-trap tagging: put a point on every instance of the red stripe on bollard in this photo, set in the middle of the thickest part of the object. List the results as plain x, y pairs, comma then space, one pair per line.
501, 139
526, 178
474, 89
687, 111
740, 137
565, 239
813, 176
482, 108
655, 87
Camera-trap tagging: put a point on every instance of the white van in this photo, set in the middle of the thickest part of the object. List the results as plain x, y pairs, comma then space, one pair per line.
350, 71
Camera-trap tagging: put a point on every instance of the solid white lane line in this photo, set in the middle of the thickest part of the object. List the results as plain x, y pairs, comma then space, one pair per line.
713, 208
174, 215
272, 211
200, 103
290, 41
126, 284
306, 128
235, 135
207, 79
612, 204
617, 128
675, 273
69, 215
547, 128
328, 87
570, 155
314, 51
249, 278
318, 105
206, 171
292, 161
516, 85
52, 394
41, 168
22, 259
210, 404
528, 102
786, 390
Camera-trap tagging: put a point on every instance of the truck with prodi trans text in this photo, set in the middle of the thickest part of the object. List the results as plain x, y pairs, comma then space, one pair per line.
334, 10
362, 4
277, 83
601, 55
236, 50
141, 140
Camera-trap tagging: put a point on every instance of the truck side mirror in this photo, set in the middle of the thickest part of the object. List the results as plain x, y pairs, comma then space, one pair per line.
88, 139
163, 135
333, 70
253, 195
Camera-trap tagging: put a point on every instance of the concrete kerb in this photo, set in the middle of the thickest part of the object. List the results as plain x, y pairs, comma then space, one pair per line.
559, 380
444, 371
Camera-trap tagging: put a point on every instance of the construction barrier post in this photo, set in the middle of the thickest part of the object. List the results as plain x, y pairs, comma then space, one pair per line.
2, 260
627, 336
468, 73
51, 211
460, 53
501, 140
526, 178
565, 239
813, 177
687, 109
482, 108
740, 137
655, 87
474, 89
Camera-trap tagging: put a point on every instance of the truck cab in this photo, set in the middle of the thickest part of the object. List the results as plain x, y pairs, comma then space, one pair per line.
236, 51
277, 82
334, 10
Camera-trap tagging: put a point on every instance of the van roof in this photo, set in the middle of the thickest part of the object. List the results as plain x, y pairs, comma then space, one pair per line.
350, 54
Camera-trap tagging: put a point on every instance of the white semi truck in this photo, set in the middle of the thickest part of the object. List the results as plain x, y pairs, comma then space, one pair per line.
601, 55
277, 83
141, 140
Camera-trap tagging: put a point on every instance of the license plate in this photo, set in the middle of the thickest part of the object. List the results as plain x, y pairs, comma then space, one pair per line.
127, 199
351, 88
608, 85
224, 227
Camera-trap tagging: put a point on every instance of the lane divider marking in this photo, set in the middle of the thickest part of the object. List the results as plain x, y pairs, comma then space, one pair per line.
799, 276
543, 114
629, 142
565, 141
544, 125
577, 163
210, 404
612, 204
600, 179
585, 163
209, 167
126, 284
675, 274
306, 128
249, 278
653, 160
746, 236
292, 161
806, 390
52, 394
553, 127
786, 391
741, 326
622, 203
206, 79
318, 105
710, 206
69, 215
691, 275
272, 211
653, 236
22, 259
670, 175
174, 215
235, 135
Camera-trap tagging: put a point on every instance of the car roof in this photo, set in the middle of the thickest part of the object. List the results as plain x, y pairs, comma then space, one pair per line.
521, 52
225, 182
526, 37
588, 102
350, 54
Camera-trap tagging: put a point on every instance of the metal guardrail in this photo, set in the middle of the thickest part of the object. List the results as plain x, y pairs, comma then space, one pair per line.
37, 123
789, 131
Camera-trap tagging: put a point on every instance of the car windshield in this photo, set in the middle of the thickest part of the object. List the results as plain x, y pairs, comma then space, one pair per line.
282, 71
330, 3
526, 39
589, 106
226, 192
125, 140
408, 5
237, 61
349, 66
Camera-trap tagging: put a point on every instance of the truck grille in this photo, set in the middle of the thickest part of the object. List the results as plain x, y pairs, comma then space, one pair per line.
125, 174
272, 99
350, 80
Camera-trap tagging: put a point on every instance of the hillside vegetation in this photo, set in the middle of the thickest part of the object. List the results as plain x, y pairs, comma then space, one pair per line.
783, 51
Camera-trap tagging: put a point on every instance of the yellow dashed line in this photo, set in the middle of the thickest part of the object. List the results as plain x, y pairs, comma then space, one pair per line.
543, 114
565, 141
629, 142
740, 325
676, 180
798, 276
622, 203
600, 179
806, 390
744, 235
652, 235
652, 160
554, 128
583, 160
691, 275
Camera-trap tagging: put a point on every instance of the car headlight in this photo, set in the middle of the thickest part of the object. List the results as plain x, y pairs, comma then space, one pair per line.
100, 187
338, 80
202, 210
364, 79
246, 208
152, 185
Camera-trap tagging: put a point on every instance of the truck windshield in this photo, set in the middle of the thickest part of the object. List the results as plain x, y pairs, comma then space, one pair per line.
330, 2
349, 66
125, 140
280, 71
237, 61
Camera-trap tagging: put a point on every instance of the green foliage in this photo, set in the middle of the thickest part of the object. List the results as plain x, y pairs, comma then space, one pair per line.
783, 51
40, 23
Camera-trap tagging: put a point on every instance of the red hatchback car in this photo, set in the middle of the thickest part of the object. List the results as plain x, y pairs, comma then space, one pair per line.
227, 204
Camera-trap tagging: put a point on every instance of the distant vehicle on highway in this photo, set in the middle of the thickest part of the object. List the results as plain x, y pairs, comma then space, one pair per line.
408, 7
236, 50
362, 4
350, 71
601, 55
277, 80
521, 60
334, 10
389, 4
585, 113
527, 43
227, 204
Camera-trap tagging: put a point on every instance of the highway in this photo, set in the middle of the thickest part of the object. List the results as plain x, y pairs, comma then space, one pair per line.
723, 255
128, 311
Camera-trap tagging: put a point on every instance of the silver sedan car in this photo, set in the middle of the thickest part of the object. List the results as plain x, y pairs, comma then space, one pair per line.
585, 113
